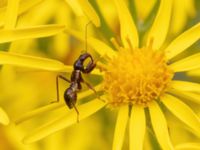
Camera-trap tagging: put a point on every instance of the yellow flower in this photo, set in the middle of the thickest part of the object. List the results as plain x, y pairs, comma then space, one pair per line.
140, 81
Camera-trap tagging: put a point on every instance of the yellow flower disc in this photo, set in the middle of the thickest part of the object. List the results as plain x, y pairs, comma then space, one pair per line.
136, 76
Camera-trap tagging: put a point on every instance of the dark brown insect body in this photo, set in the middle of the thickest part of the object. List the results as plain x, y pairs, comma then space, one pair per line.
70, 94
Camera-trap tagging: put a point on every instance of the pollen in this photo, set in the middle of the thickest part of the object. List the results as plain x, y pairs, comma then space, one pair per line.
136, 76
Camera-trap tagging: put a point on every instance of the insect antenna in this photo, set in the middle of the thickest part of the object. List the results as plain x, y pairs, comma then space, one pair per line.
86, 28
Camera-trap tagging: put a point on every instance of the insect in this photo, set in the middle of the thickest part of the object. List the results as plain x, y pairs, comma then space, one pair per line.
76, 80
70, 94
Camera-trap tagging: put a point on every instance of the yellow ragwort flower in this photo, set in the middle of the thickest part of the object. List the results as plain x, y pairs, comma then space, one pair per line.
137, 80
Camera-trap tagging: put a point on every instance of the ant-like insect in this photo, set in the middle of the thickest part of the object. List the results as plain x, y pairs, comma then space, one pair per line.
70, 94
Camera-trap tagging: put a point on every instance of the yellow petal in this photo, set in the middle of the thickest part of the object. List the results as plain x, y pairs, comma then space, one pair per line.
38, 111
182, 11
127, 26
24, 6
40, 14
75, 7
195, 72
194, 97
14, 134
182, 111
179, 17
90, 12
31, 32
64, 121
188, 146
143, 10
186, 86
191, 8
186, 64
53, 106
11, 14
60, 48
183, 41
99, 46
120, 128
137, 128
4, 117
33, 62
160, 128
159, 29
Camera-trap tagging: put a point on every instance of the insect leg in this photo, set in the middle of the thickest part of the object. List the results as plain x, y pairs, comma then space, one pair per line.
76, 112
92, 88
57, 86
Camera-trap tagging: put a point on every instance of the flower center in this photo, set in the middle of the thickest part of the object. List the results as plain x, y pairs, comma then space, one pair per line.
136, 77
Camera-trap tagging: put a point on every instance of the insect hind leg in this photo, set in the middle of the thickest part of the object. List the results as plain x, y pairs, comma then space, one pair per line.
77, 112
57, 86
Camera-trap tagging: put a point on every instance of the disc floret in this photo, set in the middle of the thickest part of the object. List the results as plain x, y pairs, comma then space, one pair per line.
137, 76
